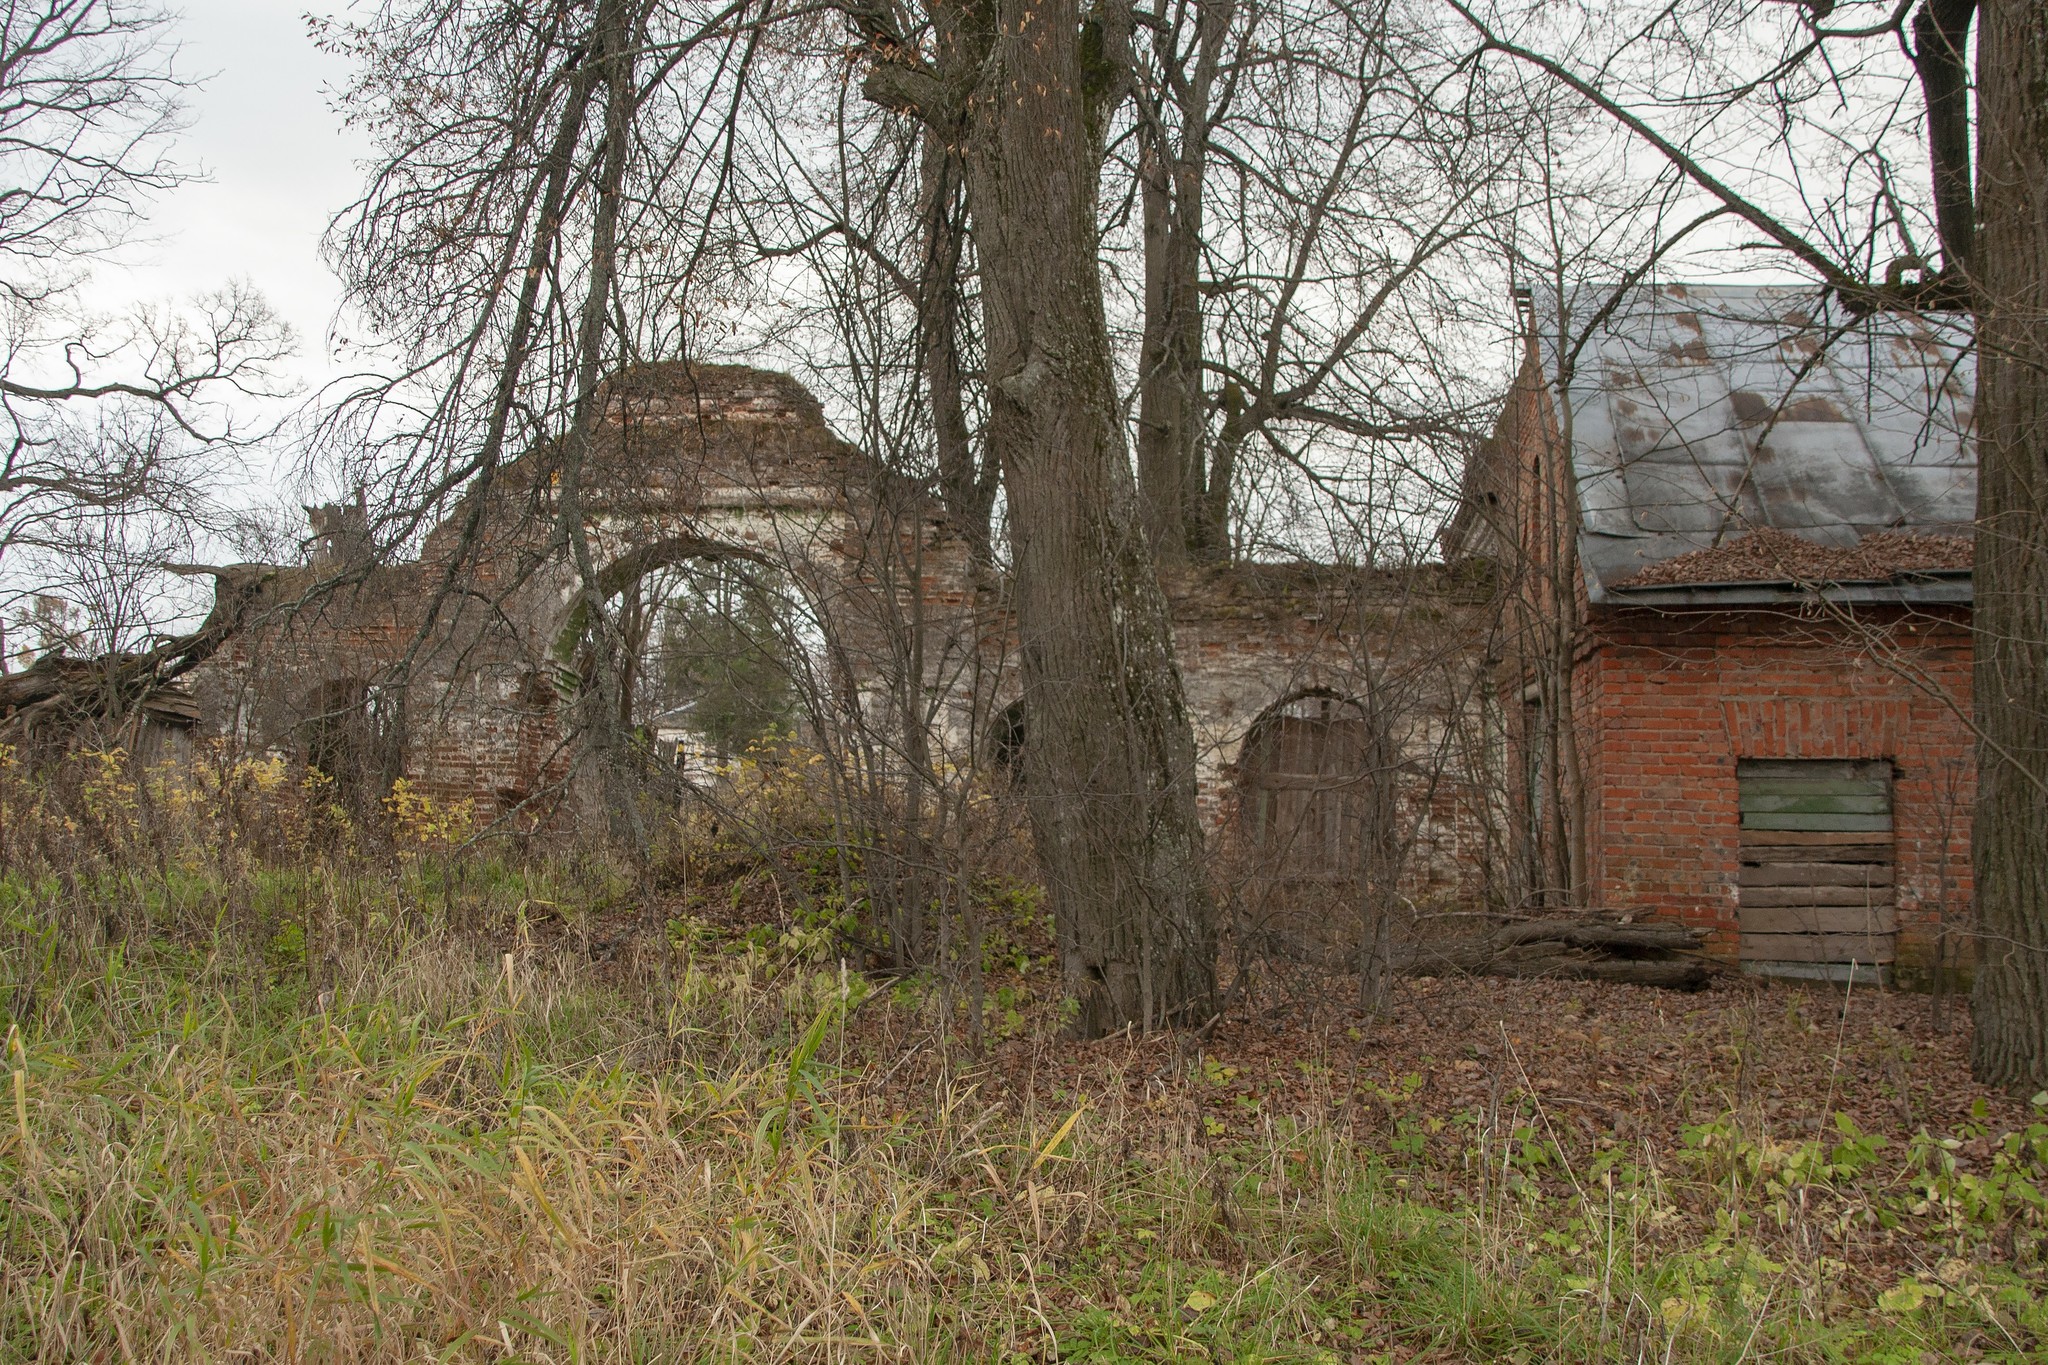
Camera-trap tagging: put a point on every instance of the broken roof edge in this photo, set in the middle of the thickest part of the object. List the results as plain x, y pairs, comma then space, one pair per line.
1947, 587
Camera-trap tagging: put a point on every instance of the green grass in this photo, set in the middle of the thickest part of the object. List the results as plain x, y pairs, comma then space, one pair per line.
463, 1157
261, 1099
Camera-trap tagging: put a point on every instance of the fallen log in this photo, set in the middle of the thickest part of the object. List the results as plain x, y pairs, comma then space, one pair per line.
1673, 973
1583, 933
57, 694
1577, 948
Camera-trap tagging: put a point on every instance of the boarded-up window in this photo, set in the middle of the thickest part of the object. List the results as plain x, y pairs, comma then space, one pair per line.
1816, 888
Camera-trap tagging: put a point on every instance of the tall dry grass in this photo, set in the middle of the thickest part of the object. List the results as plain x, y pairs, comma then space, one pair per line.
280, 1090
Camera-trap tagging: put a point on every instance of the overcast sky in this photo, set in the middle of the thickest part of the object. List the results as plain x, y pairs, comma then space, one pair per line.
278, 164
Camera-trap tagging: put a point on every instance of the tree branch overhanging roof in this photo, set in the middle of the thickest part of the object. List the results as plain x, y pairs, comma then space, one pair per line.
1700, 416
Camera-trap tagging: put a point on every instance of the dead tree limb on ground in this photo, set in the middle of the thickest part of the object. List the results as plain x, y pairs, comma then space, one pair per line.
58, 696
1579, 948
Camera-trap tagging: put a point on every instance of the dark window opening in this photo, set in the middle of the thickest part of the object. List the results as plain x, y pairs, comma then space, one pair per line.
354, 734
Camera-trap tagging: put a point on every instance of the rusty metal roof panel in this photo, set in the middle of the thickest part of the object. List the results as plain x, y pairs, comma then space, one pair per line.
1700, 413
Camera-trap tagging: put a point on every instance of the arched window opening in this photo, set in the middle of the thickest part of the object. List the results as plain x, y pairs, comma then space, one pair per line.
713, 665
1006, 740
706, 650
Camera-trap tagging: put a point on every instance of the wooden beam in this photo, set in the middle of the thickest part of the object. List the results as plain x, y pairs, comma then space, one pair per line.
1766, 803
1865, 855
1818, 919
1804, 822
1808, 769
1869, 948
1764, 896
1795, 786
1816, 874
1802, 838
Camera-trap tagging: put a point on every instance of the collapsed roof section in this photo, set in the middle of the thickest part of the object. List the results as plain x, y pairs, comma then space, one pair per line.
1696, 416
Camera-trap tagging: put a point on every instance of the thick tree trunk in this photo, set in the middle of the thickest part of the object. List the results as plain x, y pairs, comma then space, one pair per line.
2010, 840
1108, 751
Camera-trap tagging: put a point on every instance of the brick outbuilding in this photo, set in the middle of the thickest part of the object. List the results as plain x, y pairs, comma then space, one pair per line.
1732, 527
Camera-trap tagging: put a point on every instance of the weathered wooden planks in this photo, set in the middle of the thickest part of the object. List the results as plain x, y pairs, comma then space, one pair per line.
1838, 770
1815, 884
1844, 823
1828, 804
1809, 838
1800, 786
1815, 895
1817, 919
1803, 873
1866, 948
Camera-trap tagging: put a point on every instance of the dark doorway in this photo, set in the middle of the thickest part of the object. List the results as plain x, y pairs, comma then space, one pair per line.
354, 734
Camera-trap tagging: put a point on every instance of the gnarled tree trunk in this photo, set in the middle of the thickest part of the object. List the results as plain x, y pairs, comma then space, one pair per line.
1109, 754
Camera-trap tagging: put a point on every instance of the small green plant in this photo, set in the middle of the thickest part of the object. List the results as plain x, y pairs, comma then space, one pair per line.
802, 1081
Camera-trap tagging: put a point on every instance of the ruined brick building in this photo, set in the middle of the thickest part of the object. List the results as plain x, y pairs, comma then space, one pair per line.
452, 668
1733, 530
1700, 650
1340, 713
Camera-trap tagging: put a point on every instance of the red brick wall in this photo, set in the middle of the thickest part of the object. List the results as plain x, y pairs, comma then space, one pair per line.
1669, 702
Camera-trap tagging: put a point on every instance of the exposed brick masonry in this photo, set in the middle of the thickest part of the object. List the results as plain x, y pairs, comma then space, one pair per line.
1670, 702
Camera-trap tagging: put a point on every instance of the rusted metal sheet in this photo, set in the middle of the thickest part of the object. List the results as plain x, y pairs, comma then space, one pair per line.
1698, 414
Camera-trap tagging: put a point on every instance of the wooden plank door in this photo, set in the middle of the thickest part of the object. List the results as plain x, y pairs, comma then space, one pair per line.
1306, 788
1816, 882
1303, 775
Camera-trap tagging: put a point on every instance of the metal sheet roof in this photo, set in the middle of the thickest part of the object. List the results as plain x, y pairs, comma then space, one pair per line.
1697, 413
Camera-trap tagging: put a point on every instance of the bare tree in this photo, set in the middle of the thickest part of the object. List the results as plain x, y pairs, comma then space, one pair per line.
950, 247
1178, 97
110, 429
2010, 267
1362, 167
1110, 754
509, 235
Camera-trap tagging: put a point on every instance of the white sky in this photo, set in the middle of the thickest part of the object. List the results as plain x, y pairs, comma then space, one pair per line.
277, 164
